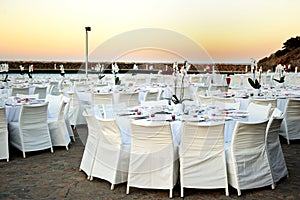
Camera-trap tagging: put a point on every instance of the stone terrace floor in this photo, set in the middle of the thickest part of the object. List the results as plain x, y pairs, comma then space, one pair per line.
43, 175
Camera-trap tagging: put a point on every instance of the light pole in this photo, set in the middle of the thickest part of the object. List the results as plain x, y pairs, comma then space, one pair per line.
87, 29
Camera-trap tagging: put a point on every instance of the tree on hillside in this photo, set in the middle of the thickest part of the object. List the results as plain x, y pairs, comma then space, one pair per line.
292, 43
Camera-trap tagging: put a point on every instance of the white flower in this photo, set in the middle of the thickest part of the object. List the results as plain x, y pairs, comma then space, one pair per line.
115, 68
21, 68
135, 67
99, 67
62, 70
30, 68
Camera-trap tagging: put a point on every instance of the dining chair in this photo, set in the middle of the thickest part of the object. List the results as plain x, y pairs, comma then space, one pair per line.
112, 156
202, 157
76, 108
54, 102
91, 145
266, 102
152, 95
246, 157
31, 132
67, 120
153, 162
258, 112
274, 150
129, 99
102, 98
19, 90
41, 90
235, 81
54, 88
4, 147
30, 96
205, 100
58, 129
290, 127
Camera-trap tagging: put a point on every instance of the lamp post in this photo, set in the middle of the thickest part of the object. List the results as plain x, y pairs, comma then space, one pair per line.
87, 29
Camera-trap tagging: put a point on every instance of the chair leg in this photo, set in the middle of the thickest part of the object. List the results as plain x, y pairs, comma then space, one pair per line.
7, 159
127, 189
24, 156
51, 149
91, 178
67, 148
171, 193
112, 187
273, 186
181, 192
226, 191
239, 192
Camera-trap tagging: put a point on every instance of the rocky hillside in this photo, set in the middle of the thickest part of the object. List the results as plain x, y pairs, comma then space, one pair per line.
290, 54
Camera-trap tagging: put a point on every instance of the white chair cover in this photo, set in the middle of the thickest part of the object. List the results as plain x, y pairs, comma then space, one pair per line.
112, 156
91, 144
258, 112
4, 151
53, 106
275, 155
29, 96
152, 95
67, 121
153, 157
58, 129
202, 157
31, 132
290, 128
266, 102
75, 109
130, 99
247, 162
42, 91
19, 90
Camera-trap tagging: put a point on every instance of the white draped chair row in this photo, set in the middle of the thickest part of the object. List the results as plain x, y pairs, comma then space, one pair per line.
201, 146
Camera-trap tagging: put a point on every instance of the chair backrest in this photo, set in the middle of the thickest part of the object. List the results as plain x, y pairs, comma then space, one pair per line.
152, 95
102, 98
225, 105
258, 112
205, 100
4, 152
266, 102
16, 90
248, 135
130, 99
110, 132
30, 96
151, 137
33, 117
54, 103
41, 90
292, 108
202, 139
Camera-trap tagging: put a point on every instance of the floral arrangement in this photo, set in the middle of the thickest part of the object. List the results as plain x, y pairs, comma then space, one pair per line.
180, 74
30, 71
21, 70
62, 70
255, 82
115, 71
4, 68
280, 69
99, 69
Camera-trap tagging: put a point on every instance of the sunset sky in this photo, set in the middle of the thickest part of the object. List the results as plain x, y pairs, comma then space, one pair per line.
228, 30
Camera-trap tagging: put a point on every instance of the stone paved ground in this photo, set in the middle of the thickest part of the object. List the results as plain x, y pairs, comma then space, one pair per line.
43, 175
